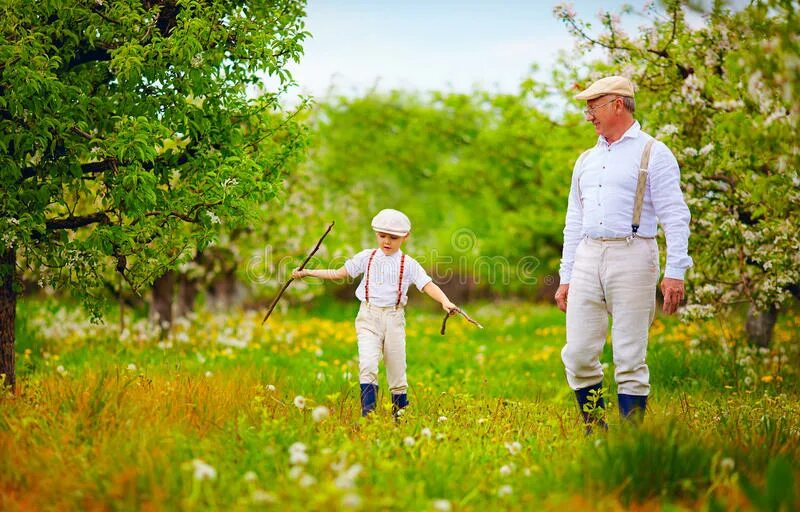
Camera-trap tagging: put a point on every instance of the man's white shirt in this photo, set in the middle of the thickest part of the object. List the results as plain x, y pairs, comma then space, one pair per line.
603, 193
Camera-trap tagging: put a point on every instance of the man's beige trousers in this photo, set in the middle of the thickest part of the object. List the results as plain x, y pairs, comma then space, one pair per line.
616, 279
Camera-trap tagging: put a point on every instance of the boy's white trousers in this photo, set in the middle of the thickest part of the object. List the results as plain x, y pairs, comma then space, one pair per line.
381, 332
617, 279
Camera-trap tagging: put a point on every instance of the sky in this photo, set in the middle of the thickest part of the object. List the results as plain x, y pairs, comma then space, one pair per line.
434, 45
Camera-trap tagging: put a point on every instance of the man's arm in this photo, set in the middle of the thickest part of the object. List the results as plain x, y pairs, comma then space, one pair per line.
674, 215
573, 228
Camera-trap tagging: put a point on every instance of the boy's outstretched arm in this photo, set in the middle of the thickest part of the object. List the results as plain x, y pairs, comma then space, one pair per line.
323, 273
438, 295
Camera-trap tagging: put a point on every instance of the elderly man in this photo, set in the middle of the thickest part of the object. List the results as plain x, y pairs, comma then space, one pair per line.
620, 189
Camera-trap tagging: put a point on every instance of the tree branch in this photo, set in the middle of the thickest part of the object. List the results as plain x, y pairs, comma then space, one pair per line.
95, 55
77, 222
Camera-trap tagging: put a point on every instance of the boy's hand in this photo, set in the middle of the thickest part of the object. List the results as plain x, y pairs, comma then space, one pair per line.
299, 274
449, 307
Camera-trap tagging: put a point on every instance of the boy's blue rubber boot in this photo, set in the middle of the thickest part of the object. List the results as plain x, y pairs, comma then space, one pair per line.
369, 398
584, 396
398, 403
632, 407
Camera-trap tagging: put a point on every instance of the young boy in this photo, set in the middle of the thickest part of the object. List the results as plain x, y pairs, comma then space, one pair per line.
380, 324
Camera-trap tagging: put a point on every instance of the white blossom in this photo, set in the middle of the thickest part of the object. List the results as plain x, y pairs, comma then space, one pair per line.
300, 402
409, 441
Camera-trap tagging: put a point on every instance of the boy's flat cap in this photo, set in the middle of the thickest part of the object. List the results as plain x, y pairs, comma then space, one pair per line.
391, 221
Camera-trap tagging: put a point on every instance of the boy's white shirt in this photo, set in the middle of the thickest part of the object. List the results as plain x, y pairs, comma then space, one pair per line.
383, 276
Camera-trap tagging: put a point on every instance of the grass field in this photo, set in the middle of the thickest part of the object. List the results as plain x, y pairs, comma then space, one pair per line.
225, 414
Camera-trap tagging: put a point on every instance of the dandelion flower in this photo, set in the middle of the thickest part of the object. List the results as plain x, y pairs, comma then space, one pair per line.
250, 476
409, 441
351, 501
203, 471
504, 490
442, 419
260, 496
307, 481
60, 369
131, 367
513, 448
270, 388
300, 402
727, 464
442, 505
320, 413
506, 470
426, 432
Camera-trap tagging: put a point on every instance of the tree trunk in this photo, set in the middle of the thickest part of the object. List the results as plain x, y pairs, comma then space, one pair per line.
162, 299
760, 324
8, 313
188, 289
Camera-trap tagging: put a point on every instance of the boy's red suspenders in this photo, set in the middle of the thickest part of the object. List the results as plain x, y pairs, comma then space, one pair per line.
399, 282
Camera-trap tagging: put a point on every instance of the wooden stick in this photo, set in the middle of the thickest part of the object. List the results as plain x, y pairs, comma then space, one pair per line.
280, 293
462, 313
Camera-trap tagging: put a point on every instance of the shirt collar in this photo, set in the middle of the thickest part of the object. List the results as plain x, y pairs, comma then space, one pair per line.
632, 132
396, 255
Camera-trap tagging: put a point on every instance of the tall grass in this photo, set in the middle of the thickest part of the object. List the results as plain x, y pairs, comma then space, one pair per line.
206, 419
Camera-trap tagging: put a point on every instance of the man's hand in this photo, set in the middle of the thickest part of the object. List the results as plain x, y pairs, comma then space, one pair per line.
561, 297
672, 289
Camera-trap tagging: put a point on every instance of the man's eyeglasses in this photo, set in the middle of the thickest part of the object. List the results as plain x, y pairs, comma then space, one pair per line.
591, 110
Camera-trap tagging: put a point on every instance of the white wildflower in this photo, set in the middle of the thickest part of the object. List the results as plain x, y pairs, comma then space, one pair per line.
426, 432
504, 490
250, 476
203, 471
442, 505
60, 369
442, 419
300, 402
131, 367
270, 388
320, 413
727, 464
513, 448
262, 497
351, 500
506, 470
307, 481
409, 441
